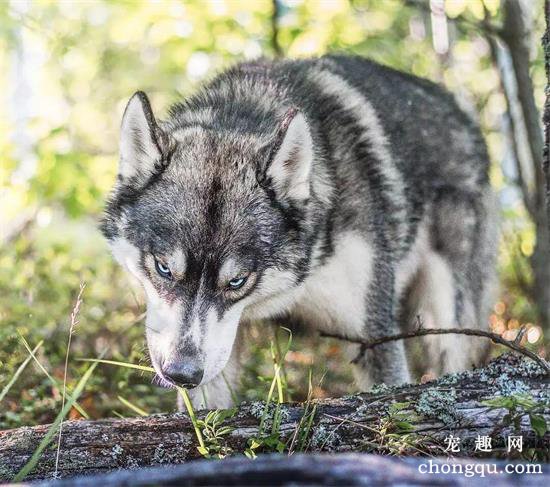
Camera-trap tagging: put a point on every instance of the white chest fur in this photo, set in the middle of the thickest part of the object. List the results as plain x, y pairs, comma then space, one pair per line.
334, 295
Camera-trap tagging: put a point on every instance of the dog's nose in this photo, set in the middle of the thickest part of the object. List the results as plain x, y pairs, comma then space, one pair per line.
183, 374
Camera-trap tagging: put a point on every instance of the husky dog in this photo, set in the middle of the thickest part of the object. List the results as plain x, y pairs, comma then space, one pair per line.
334, 192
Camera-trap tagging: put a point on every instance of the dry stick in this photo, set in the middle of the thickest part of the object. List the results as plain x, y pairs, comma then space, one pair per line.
74, 322
367, 345
373, 430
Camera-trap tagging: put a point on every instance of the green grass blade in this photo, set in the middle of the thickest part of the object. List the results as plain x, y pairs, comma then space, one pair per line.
191, 412
77, 406
280, 387
307, 430
133, 407
279, 361
29, 466
120, 364
19, 371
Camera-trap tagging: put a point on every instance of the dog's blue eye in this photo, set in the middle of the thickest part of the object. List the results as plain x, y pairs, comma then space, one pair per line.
162, 269
236, 283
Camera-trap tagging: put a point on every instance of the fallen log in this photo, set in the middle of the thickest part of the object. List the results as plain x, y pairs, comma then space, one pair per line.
351, 469
405, 420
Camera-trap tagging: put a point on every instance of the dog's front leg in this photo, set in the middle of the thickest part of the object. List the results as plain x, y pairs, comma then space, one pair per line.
386, 363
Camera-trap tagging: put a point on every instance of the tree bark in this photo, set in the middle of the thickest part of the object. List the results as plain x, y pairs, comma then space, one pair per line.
358, 423
515, 33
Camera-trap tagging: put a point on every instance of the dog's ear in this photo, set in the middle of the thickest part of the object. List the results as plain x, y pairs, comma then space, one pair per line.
140, 141
289, 168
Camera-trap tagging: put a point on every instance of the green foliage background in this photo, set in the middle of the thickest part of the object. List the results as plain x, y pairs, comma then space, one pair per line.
68, 70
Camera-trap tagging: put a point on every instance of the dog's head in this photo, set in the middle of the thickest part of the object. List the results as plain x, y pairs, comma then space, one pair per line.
211, 220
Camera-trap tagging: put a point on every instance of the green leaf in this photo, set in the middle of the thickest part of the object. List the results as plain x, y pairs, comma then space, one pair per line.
525, 401
404, 425
254, 444
398, 406
511, 402
226, 413
538, 423
225, 430
499, 402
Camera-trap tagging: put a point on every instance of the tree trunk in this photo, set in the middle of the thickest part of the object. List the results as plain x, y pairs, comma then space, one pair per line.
515, 33
546, 46
427, 415
275, 42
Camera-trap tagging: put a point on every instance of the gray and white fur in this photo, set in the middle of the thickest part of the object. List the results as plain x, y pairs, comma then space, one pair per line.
334, 192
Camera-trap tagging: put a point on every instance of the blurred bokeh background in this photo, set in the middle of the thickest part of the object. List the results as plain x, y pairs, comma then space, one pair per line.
69, 67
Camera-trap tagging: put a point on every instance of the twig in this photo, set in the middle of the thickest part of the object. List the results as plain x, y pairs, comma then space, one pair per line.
372, 430
74, 322
520, 335
495, 338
